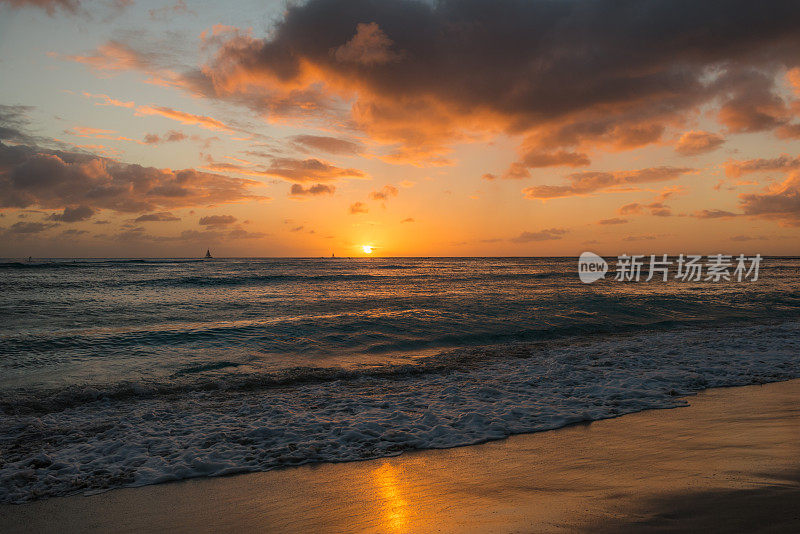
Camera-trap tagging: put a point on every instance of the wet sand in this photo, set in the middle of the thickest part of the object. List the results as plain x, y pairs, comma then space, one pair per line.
730, 462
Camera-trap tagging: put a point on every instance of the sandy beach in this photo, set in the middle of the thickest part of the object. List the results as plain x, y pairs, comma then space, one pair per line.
728, 462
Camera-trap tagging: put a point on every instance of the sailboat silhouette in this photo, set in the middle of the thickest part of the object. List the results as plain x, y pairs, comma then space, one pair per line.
208, 254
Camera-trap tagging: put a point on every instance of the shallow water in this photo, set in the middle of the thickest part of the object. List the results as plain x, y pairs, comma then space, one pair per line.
126, 372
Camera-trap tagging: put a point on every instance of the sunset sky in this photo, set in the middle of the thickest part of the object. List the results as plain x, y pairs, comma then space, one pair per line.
260, 128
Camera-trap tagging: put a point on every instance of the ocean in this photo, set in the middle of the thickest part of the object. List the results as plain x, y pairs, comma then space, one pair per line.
121, 373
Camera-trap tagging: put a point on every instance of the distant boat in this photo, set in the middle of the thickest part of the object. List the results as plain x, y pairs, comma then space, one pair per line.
208, 254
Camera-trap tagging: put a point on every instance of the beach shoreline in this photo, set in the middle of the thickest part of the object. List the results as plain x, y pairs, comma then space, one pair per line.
729, 461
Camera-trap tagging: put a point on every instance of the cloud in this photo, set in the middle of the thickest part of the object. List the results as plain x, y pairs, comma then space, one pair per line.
309, 170
746, 238
647, 237
408, 220
200, 237
783, 163
584, 183
332, 145
314, 190
358, 207
659, 209
291, 170
72, 232
161, 216
754, 107
369, 46
106, 100
185, 118
50, 6
549, 234
52, 179
423, 76
713, 214
97, 133
163, 13
781, 203
614, 220
172, 136
113, 56
13, 122
217, 220
30, 227
241, 233
633, 208
694, 143
73, 214
385, 193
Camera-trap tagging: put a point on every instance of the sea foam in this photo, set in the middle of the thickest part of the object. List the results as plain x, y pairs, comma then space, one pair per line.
94, 440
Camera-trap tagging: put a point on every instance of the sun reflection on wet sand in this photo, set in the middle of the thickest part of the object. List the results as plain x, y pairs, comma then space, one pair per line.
394, 508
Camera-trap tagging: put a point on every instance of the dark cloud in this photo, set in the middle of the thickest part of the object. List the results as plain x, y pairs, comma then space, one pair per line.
782, 203
614, 220
30, 227
172, 136
298, 190
72, 232
565, 74
782, 163
713, 214
408, 220
217, 220
659, 209
754, 106
633, 208
384, 193
73, 214
161, 216
13, 121
358, 207
542, 235
32, 176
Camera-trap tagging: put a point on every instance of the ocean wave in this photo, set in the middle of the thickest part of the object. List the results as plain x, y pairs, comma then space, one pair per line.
492, 392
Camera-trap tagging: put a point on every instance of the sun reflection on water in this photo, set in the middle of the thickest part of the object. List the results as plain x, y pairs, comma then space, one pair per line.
394, 508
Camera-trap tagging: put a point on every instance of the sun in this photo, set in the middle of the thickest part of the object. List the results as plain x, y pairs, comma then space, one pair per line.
367, 249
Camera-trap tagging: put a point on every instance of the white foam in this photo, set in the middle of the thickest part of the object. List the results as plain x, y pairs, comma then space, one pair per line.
136, 441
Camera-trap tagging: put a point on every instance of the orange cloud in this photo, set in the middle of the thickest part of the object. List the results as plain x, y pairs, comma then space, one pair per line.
185, 118
112, 56
583, 183
106, 100
694, 143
